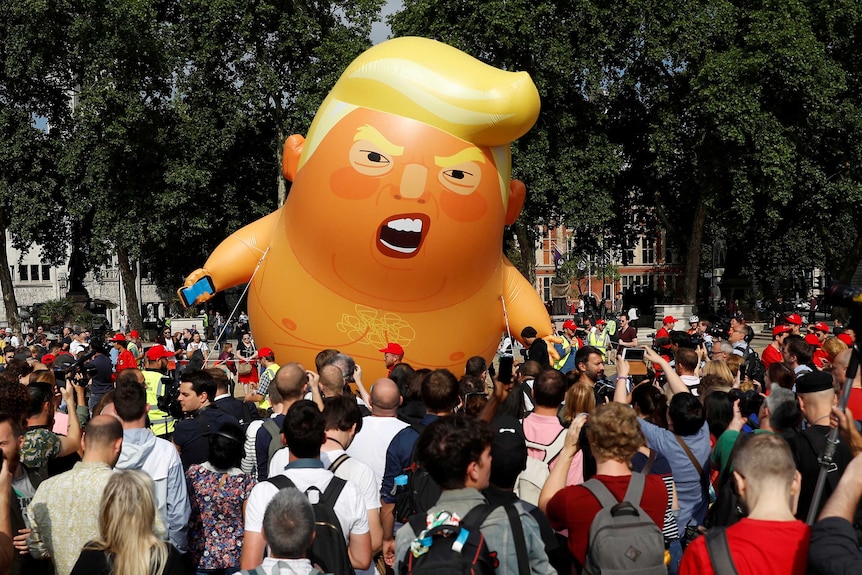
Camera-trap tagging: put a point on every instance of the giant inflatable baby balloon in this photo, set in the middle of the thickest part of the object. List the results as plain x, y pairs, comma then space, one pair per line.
393, 228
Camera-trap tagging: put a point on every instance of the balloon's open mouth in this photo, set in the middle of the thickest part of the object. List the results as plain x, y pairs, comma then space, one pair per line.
401, 236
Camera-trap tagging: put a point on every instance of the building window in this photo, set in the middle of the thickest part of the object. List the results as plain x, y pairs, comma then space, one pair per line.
647, 251
34, 272
22, 273
46, 272
546, 287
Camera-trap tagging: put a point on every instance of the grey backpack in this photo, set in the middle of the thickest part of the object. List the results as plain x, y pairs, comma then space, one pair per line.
623, 538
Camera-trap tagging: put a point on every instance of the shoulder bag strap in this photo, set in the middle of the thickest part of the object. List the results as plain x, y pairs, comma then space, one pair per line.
519, 539
281, 481
653, 454
719, 552
688, 452
703, 480
333, 491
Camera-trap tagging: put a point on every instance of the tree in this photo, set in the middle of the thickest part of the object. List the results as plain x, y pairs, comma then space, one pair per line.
120, 134
567, 161
33, 73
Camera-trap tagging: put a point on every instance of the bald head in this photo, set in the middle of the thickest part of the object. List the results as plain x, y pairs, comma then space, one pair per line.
331, 380
290, 381
839, 369
103, 439
385, 397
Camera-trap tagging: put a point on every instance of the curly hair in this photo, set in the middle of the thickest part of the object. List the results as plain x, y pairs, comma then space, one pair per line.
614, 432
14, 399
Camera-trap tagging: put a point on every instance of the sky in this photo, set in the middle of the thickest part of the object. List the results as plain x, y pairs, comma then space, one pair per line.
380, 30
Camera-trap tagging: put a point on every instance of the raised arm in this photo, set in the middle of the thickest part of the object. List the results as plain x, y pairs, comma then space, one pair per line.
673, 379
234, 260
557, 479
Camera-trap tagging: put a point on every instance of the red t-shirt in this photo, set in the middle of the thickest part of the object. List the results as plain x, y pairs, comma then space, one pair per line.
854, 402
575, 507
770, 355
126, 360
757, 547
662, 332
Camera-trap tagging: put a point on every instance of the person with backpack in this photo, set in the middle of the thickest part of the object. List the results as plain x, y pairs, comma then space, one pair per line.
542, 428
770, 539
342, 541
600, 538
456, 451
343, 422
289, 525
290, 381
439, 393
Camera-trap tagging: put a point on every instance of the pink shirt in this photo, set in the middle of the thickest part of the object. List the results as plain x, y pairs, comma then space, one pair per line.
544, 429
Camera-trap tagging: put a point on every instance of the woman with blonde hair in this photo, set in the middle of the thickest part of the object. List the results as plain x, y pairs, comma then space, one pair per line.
580, 398
720, 368
127, 543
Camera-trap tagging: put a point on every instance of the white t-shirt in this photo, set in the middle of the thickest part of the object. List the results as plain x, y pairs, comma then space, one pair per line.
370, 444
350, 507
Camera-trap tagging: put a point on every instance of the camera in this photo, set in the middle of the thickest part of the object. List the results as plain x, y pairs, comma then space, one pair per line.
749, 401
169, 402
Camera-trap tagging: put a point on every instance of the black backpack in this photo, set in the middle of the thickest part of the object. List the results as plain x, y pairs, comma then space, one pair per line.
421, 491
329, 549
452, 549
753, 366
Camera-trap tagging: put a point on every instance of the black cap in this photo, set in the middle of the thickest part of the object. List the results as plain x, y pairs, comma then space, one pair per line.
813, 382
508, 454
529, 331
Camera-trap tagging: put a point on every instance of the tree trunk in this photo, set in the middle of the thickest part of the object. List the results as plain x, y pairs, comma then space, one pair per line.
692, 260
129, 276
528, 251
6, 280
850, 261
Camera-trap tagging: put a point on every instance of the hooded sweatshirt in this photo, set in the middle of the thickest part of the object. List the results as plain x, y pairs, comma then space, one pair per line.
159, 459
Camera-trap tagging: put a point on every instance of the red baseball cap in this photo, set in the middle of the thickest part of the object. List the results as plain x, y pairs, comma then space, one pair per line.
846, 339
157, 352
820, 326
794, 318
669, 319
119, 337
569, 324
133, 334
265, 352
393, 348
811, 339
49, 358
783, 328
601, 322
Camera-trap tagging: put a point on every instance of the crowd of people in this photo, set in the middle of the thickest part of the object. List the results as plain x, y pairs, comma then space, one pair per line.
700, 454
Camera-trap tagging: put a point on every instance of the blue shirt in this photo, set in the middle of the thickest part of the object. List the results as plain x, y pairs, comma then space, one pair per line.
693, 502
399, 455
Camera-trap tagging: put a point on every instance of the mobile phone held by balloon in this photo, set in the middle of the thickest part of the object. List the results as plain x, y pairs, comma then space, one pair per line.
191, 293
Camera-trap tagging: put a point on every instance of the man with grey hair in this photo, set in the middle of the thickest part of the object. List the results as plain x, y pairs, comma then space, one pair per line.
288, 527
721, 350
351, 374
778, 413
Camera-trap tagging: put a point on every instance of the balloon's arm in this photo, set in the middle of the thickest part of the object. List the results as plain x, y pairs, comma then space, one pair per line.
523, 305
232, 263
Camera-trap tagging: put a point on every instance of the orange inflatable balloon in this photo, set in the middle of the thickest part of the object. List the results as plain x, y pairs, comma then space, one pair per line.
392, 230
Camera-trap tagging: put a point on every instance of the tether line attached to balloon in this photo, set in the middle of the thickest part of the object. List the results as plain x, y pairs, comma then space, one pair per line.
506, 319
244, 291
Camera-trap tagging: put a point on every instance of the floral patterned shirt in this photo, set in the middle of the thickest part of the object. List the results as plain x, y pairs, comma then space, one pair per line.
216, 524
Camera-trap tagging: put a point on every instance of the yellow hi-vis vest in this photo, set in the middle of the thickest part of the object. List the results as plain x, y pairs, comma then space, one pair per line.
567, 348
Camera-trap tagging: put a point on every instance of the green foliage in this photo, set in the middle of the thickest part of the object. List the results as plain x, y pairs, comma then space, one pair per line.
65, 312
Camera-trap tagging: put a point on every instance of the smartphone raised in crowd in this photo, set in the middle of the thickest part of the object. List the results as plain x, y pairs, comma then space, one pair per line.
506, 363
633, 353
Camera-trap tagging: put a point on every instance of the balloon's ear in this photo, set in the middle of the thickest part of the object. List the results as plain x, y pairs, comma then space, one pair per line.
290, 157
517, 193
